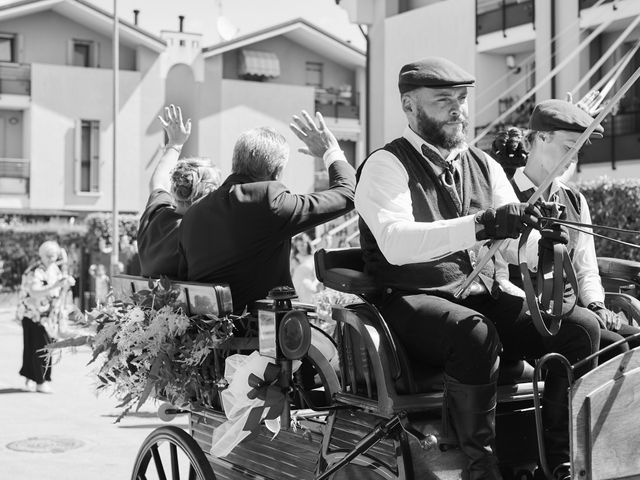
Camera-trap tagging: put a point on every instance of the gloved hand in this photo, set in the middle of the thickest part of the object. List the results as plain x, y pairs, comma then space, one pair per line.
508, 148
506, 221
608, 319
552, 235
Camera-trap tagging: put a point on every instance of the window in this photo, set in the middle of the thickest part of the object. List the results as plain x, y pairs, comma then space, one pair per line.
83, 53
314, 74
7, 48
88, 172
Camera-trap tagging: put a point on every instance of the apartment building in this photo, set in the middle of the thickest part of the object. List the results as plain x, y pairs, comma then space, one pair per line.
56, 78
508, 45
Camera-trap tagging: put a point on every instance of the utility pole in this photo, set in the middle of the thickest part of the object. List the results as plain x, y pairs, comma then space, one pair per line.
115, 236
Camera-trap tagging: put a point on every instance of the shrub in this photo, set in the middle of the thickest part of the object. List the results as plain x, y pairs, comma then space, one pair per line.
614, 203
20, 245
20, 242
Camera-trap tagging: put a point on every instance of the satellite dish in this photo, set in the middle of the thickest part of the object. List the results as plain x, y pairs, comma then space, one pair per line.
226, 29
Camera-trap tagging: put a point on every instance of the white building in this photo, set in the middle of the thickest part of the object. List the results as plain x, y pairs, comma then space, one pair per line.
507, 44
56, 82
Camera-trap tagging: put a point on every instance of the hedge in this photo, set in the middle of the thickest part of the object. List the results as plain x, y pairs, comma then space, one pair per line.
614, 203
19, 243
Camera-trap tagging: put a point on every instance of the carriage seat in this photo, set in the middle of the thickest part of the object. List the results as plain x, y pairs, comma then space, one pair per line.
343, 270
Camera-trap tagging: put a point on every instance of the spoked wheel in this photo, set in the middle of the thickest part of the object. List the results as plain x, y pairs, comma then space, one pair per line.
169, 453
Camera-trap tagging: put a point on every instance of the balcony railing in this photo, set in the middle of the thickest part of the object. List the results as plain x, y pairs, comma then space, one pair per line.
337, 103
620, 142
590, 3
15, 79
14, 176
14, 168
496, 15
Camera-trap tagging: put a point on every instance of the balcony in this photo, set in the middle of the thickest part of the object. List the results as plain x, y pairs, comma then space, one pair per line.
590, 3
337, 103
15, 79
14, 176
620, 142
496, 15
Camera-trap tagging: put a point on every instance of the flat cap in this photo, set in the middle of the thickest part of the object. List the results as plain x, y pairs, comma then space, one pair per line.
552, 115
433, 72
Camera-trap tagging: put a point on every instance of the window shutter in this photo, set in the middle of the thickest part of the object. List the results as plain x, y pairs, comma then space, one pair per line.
70, 52
77, 156
19, 39
95, 156
95, 54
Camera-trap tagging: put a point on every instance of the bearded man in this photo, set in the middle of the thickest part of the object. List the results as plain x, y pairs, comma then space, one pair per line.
427, 202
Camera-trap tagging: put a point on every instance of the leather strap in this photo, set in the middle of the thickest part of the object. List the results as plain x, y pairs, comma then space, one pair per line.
552, 268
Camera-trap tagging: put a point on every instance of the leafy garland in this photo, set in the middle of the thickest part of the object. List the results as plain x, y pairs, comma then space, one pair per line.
150, 346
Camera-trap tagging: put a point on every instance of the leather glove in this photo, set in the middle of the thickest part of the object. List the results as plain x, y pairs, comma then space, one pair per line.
608, 319
552, 235
506, 221
508, 148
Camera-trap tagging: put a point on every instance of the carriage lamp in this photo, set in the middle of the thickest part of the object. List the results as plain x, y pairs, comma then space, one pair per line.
284, 332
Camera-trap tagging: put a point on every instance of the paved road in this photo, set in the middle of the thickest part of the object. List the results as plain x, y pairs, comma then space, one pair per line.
73, 415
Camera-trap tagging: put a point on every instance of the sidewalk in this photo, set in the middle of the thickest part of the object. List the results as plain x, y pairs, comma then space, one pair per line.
73, 425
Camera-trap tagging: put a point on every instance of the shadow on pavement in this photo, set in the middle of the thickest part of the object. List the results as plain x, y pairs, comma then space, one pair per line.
13, 390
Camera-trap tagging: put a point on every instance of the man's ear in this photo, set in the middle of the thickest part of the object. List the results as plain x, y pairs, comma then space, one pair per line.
277, 173
407, 104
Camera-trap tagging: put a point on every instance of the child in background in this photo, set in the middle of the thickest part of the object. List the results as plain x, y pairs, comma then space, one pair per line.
101, 282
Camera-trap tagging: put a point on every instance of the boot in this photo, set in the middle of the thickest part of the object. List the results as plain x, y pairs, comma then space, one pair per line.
555, 420
472, 409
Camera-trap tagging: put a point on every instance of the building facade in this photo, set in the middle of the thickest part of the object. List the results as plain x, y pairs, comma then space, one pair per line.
521, 51
56, 119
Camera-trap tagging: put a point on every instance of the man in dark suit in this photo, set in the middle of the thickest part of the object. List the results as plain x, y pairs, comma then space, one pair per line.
241, 233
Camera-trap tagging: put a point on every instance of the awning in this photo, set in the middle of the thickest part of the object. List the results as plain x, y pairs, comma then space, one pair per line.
260, 64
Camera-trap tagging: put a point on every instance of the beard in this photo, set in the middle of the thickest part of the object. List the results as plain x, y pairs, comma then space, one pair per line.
433, 131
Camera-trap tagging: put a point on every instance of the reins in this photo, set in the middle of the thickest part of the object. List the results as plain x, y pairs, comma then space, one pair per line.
554, 267
575, 225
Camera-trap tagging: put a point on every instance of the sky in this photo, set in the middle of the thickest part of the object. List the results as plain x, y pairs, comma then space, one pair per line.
201, 16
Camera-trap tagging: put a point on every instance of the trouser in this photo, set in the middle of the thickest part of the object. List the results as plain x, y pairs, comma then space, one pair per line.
607, 337
459, 337
36, 364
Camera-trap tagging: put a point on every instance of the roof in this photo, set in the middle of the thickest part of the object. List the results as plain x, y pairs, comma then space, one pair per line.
87, 15
302, 32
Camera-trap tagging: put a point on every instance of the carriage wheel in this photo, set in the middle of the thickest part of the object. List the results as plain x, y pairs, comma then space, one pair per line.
170, 453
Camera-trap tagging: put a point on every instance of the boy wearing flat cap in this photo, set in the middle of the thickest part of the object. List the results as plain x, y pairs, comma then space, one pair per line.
427, 202
554, 127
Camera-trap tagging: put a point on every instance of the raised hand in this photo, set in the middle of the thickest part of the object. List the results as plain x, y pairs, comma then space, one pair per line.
177, 130
317, 137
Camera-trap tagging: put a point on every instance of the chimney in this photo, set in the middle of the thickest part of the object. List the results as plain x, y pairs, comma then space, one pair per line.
135, 16
181, 19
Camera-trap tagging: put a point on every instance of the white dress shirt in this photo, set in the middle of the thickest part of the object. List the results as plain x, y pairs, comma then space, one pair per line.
585, 261
384, 202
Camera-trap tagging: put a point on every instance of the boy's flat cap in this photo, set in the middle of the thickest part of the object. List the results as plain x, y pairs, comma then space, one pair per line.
552, 115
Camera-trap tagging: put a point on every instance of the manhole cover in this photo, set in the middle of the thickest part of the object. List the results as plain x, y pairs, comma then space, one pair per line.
45, 444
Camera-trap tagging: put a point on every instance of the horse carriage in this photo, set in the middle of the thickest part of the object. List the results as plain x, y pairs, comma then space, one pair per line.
378, 416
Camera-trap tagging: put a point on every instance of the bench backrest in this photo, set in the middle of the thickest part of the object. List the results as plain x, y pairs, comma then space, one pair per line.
198, 298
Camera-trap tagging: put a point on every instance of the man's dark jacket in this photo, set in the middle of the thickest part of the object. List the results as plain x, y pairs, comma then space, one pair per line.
241, 233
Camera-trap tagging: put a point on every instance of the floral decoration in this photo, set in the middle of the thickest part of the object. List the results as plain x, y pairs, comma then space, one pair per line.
149, 346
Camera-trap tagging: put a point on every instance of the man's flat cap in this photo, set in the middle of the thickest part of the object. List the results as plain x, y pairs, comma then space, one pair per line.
552, 115
433, 72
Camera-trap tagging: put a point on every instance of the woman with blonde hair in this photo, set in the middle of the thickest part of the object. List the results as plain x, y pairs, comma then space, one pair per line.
175, 185
39, 309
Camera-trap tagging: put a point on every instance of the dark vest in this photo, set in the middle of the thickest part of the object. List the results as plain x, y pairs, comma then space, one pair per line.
566, 197
431, 202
